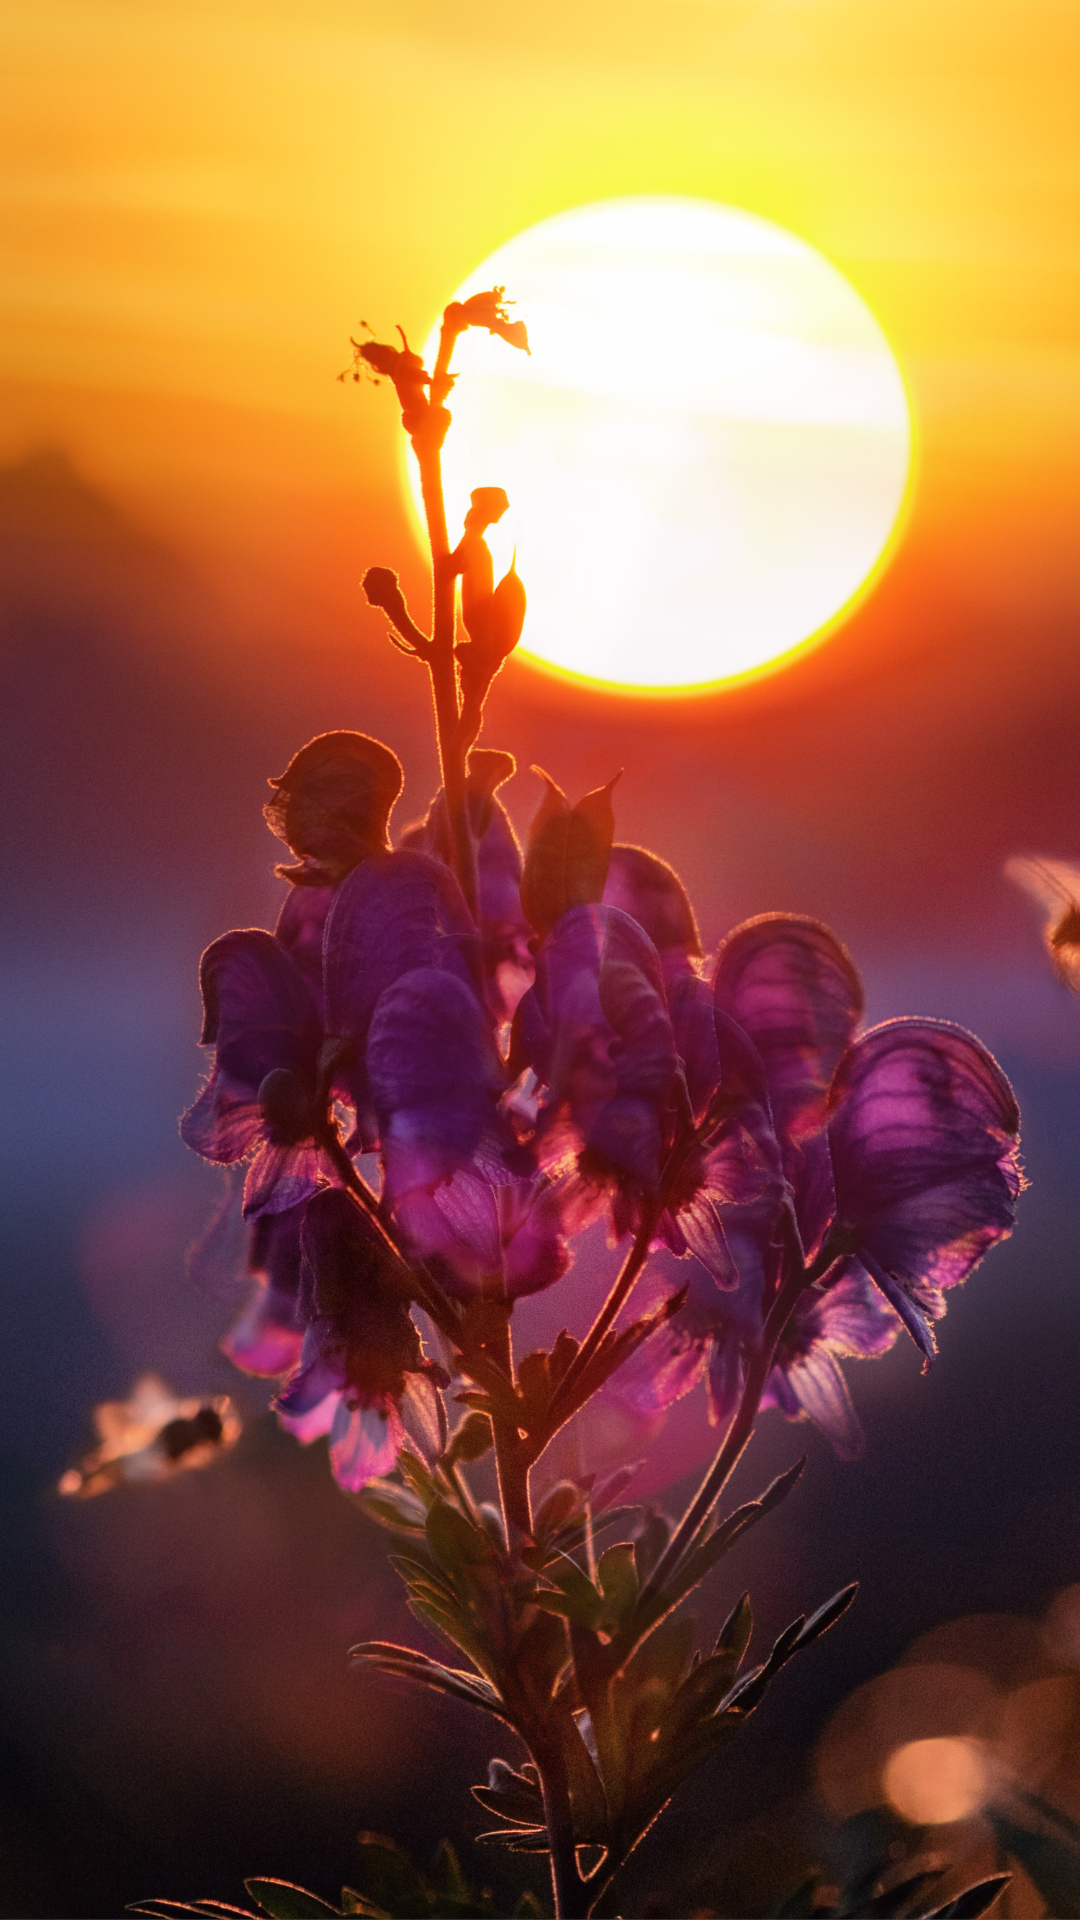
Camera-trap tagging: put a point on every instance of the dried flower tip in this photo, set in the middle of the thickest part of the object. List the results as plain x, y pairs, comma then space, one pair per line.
488, 505
332, 805
487, 310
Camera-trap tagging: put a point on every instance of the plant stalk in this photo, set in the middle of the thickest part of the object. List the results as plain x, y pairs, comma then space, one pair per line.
568, 1888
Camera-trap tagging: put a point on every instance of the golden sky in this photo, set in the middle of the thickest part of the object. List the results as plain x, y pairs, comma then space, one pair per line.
201, 200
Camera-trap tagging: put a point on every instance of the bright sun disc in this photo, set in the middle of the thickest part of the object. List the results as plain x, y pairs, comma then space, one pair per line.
707, 453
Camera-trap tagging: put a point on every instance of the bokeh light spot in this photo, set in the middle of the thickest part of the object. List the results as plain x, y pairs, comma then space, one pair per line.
932, 1782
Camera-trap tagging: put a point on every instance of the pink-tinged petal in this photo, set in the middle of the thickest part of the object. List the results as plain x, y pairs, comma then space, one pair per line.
730, 1211
266, 1339
535, 1249
309, 1423
924, 1130
268, 1336
283, 1177
664, 1370
793, 988
260, 1017
364, 1443
819, 1392
300, 928
595, 1027
304, 1402
224, 1122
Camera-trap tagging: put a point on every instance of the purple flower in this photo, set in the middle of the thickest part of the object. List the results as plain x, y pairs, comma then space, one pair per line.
261, 1019
395, 913
791, 986
362, 1358
300, 928
456, 1181
924, 1131
642, 885
714, 1335
504, 931
267, 1337
595, 1029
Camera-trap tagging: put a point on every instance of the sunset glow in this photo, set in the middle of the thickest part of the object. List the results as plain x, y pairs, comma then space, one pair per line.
706, 453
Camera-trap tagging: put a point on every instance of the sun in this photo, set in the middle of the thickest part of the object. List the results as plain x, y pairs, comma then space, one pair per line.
707, 454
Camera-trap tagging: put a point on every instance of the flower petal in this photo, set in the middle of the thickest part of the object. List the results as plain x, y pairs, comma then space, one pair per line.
396, 912
924, 1130
650, 891
364, 1443
260, 1016
434, 1075
595, 1027
793, 988
300, 928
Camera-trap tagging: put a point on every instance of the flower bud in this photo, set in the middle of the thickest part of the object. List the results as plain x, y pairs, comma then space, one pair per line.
332, 805
285, 1104
566, 861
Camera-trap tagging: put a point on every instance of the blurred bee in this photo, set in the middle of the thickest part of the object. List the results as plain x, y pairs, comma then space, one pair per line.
150, 1437
1056, 886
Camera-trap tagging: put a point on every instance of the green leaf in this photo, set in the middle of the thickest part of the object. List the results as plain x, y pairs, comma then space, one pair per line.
975, 1900
389, 1878
353, 1902
616, 1576
471, 1440
284, 1901
446, 1876
391, 1506
576, 1597
512, 1796
418, 1477
455, 1544
403, 1663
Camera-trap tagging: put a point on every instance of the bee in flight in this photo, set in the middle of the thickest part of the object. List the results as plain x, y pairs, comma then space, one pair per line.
1056, 886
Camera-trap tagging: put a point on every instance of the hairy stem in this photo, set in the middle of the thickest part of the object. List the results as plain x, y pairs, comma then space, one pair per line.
571, 1899
740, 1430
440, 658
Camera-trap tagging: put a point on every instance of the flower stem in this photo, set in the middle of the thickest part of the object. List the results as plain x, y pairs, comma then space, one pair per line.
609, 1312
571, 1900
427, 446
740, 1430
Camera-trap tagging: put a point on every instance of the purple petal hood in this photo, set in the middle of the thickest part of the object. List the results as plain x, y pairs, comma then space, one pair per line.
394, 913
924, 1130
792, 987
595, 1028
260, 1016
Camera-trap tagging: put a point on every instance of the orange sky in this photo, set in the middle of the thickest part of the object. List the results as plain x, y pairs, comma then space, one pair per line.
200, 200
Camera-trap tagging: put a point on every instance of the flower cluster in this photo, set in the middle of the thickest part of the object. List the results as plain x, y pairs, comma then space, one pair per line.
563, 1054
